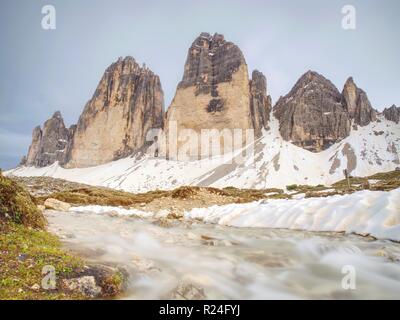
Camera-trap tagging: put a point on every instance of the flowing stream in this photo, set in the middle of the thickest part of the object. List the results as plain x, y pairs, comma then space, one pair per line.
197, 260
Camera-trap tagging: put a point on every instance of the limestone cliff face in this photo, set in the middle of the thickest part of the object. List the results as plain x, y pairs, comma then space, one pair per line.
34, 148
357, 104
215, 92
392, 113
260, 102
314, 115
50, 144
127, 103
311, 115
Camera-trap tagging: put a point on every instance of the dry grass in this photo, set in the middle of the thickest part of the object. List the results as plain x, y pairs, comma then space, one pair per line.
387, 181
110, 197
103, 196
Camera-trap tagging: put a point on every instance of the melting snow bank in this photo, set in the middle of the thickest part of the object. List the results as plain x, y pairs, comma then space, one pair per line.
364, 212
376, 213
274, 163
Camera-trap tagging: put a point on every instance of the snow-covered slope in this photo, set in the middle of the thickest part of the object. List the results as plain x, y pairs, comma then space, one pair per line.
363, 212
274, 163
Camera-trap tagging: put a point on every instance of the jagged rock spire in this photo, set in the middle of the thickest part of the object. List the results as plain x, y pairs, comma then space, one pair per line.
392, 114
356, 102
127, 103
215, 91
50, 144
311, 114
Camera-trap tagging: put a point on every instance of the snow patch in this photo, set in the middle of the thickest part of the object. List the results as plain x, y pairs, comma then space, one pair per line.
364, 212
292, 165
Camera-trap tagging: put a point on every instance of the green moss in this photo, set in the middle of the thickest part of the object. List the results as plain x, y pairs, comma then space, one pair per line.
113, 285
25, 248
24, 253
280, 196
248, 195
292, 187
17, 205
305, 188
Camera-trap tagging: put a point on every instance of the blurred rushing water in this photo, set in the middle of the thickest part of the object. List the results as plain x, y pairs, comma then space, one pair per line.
195, 260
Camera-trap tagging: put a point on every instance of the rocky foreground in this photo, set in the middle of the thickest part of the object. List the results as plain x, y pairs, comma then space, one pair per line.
33, 265
75, 211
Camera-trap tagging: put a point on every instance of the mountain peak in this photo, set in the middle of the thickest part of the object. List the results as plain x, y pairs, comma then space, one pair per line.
57, 115
132, 97
311, 115
392, 113
313, 82
349, 80
311, 75
211, 60
356, 102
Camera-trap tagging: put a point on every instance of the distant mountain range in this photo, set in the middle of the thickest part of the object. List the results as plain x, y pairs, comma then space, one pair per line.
309, 136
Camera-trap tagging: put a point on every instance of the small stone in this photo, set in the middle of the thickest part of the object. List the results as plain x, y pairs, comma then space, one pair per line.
22, 257
55, 204
187, 291
35, 287
85, 285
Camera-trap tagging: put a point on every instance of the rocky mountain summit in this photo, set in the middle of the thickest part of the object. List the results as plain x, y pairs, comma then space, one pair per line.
215, 91
392, 113
311, 114
356, 102
314, 114
49, 144
127, 103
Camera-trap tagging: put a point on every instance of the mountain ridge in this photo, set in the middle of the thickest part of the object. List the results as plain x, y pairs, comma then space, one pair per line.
274, 163
216, 91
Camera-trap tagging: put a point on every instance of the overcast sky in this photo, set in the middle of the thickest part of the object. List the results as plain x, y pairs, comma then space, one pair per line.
46, 70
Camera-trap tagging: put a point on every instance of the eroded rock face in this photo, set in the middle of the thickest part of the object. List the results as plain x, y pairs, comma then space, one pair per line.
356, 102
260, 102
34, 148
392, 113
127, 103
49, 145
215, 92
311, 115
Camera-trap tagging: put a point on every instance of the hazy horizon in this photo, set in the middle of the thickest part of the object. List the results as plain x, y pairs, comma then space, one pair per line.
47, 70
